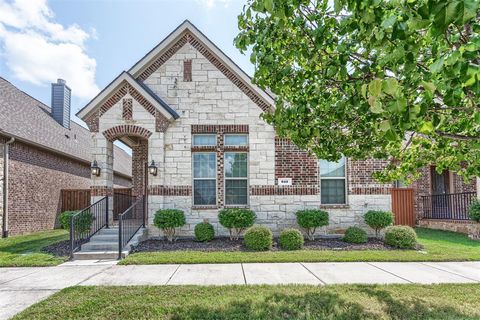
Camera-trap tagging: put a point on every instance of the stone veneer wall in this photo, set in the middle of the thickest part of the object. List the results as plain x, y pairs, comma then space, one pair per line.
467, 227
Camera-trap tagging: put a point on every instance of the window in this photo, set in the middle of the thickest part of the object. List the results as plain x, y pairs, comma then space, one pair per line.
236, 182
204, 179
236, 140
204, 140
332, 182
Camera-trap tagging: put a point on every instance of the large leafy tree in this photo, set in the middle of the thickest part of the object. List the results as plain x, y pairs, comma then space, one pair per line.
397, 79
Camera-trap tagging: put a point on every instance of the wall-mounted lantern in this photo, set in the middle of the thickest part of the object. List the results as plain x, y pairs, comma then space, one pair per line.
152, 168
95, 168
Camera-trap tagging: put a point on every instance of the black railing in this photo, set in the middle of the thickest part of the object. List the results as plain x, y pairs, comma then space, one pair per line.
450, 206
84, 224
129, 222
121, 202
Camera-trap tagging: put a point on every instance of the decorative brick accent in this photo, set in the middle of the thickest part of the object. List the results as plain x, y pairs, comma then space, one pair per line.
159, 190
161, 122
139, 161
126, 130
214, 128
101, 191
292, 162
187, 70
283, 190
127, 105
370, 191
189, 38
220, 166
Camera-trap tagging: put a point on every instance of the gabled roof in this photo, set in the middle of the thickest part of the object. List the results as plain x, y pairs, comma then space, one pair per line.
30, 121
172, 39
120, 80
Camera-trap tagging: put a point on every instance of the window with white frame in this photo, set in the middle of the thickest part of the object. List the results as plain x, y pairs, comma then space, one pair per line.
204, 179
236, 181
236, 140
204, 140
333, 182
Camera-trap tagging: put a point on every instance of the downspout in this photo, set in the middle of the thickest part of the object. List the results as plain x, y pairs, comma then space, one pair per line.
5, 187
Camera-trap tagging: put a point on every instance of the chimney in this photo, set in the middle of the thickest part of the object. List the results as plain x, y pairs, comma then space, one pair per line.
61, 103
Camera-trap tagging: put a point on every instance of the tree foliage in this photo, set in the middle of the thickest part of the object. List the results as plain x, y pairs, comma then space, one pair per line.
394, 79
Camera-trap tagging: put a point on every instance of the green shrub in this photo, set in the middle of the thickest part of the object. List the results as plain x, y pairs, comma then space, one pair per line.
236, 220
403, 237
168, 220
355, 235
378, 220
83, 221
291, 239
204, 231
258, 238
310, 220
474, 210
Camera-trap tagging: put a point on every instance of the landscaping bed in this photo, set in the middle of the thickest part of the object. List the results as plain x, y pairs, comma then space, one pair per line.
409, 301
227, 245
59, 249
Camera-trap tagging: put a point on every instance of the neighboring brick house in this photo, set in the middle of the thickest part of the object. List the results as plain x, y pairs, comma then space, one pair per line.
193, 112
48, 154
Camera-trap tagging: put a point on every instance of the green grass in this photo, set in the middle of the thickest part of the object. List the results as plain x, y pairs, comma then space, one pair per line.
453, 301
438, 246
24, 251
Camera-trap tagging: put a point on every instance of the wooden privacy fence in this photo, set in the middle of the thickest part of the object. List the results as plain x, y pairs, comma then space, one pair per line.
77, 199
403, 206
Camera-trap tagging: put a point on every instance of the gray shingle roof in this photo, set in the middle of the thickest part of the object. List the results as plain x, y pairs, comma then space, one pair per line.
28, 119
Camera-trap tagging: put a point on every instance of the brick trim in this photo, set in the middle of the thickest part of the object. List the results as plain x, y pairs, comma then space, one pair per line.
101, 191
187, 37
160, 190
127, 110
224, 128
126, 130
161, 122
284, 190
370, 191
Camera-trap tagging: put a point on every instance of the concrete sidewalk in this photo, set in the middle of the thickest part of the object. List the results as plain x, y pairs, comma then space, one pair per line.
22, 287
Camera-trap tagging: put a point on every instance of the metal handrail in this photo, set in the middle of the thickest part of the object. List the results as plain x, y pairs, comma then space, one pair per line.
95, 217
129, 222
449, 206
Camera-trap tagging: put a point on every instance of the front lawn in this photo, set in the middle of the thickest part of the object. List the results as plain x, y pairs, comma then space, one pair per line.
446, 301
437, 246
25, 250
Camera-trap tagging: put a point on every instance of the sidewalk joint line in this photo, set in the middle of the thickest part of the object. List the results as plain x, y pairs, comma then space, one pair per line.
25, 275
243, 272
93, 275
166, 283
451, 272
393, 274
321, 281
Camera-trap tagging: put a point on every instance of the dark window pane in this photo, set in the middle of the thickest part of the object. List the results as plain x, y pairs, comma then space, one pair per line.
204, 192
236, 192
333, 191
235, 165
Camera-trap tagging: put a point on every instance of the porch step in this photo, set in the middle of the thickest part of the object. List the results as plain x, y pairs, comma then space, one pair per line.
98, 255
110, 231
105, 238
96, 245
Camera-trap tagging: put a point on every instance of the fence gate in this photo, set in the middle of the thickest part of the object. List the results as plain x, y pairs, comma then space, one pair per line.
403, 207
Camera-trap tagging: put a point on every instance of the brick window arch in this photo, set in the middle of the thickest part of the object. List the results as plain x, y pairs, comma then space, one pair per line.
126, 130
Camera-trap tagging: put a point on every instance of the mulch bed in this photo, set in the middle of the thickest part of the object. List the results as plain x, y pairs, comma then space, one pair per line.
226, 245
59, 249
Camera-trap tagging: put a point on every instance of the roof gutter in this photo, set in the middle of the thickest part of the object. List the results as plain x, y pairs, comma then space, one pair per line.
5, 186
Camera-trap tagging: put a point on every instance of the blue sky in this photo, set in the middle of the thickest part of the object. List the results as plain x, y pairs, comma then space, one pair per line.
89, 42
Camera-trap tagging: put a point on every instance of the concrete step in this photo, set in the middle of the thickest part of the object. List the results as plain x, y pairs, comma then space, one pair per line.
107, 231
104, 238
100, 246
98, 255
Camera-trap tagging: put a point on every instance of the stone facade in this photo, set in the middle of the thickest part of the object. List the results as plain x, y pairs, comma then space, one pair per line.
211, 98
462, 226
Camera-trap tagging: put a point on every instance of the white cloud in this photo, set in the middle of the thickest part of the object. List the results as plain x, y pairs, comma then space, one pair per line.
39, 50
213, 3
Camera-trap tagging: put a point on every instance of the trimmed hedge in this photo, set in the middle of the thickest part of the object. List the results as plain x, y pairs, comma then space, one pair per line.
355, 235
378, 220
312, 219
83, 222
167, 220
474, 210
204, 232
258, 238
236, 220
291, 239
403, 237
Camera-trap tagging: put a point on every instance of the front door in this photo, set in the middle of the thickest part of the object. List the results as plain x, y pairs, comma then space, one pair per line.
440, 191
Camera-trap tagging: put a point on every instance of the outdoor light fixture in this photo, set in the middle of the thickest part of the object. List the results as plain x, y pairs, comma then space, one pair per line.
152, 168
95, 168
